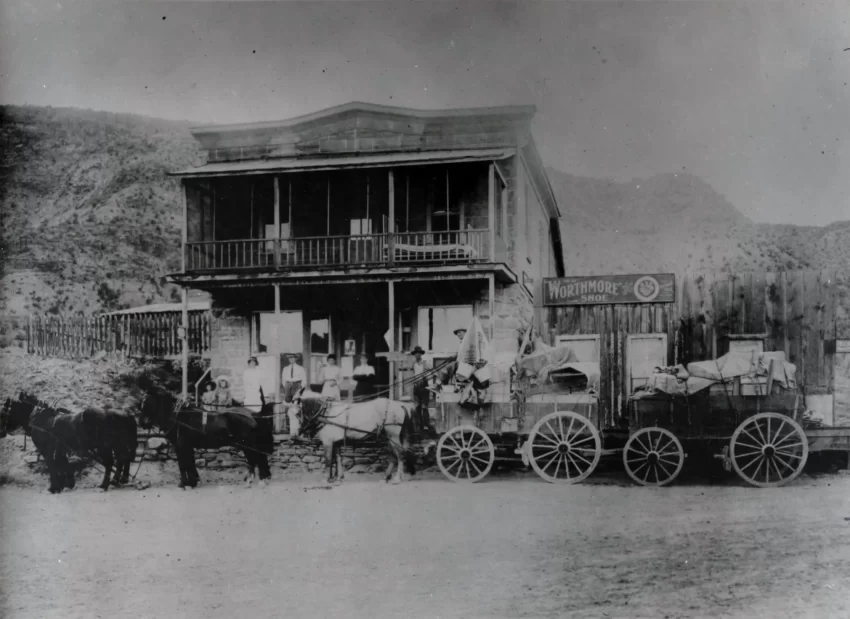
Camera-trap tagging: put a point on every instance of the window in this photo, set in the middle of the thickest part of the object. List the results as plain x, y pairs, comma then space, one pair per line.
361, 226
644, 354
437, 324
585, 347
289, 329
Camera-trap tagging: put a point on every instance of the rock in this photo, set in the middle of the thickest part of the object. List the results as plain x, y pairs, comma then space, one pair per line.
375, 468
310, 459
157, 443
200, 462
358, 468
30, 459
210, 456
314, 466
362, 460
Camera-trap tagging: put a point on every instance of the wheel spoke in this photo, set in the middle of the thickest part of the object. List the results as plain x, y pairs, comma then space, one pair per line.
483, 450
450, 448
749, 453
648, 469
766, 466
793, 445
584, 440
553, 431
633, 448
776, 468
664, 468
548, 464
753, 461
786, 465
761, 434
546, 453
751, 446
754, 438
789, 454
551, 440
576, 466
778, 432
458, 445
452, 465
557, 467
788, 437
636, 460
486, 462
570, 429
673, 462
472, 465
589, 463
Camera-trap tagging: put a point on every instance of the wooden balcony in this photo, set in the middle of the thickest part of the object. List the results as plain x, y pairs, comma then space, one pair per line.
401, 248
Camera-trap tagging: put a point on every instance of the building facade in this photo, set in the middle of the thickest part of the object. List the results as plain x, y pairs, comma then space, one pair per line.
368, 229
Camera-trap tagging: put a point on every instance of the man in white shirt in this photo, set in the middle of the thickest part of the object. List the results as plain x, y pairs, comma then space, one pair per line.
292, 378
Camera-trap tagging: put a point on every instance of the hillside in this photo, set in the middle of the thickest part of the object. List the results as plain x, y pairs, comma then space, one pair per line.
677, 222
90, 221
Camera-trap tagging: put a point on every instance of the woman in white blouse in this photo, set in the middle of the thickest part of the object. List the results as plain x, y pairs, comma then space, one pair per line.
329, 376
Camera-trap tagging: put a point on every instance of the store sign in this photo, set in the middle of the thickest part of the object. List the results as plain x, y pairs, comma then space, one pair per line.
842, 346
603, 289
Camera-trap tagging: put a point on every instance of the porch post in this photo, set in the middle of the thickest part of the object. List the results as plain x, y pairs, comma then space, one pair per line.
276, 236
491, 211
391, 290
184, 320
278, 417
491, 298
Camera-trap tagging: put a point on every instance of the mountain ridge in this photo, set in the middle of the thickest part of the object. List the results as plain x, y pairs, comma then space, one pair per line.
91, 220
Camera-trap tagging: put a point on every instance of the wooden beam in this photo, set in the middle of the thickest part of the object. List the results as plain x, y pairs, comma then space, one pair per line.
491, 298
391, 343
184, 322
185, 232
276, 235
391, 181
491, 209
278, 417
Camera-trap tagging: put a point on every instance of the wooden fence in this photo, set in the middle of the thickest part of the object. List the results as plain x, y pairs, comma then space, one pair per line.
132, 335
793, 311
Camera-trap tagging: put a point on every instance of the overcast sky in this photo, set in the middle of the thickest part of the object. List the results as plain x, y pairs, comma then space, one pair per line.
752, 96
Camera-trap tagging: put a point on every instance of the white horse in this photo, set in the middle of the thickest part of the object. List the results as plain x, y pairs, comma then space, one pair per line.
332, 422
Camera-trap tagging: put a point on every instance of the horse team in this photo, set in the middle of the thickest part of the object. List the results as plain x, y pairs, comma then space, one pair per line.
111, 436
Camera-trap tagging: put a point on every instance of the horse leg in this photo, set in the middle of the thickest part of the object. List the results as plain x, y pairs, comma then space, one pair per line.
57, 467
390, 468
264, 468
191, 467
249, 457
329, 460
70, 480
181, 464
106, 458
339, 467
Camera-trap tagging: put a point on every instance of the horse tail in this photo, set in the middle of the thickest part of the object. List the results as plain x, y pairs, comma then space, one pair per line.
407, 430
130, 437
265, 425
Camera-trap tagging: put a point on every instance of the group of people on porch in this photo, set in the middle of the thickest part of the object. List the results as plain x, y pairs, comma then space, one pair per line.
330, 377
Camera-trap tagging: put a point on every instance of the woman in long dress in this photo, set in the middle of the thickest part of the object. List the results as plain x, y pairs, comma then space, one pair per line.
252, 382
365, 376
330, 376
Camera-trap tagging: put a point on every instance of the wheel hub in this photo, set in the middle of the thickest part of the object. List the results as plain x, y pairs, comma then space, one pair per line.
563, 448
465, 454
652, 457
769, 451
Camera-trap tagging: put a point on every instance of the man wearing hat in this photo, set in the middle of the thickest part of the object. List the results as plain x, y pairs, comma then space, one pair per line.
292, 378
252, 383
421, 380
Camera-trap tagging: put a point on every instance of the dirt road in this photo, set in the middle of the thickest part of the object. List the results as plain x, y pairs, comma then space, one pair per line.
429, 548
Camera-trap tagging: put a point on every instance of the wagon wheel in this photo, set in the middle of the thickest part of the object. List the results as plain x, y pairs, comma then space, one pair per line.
564, 447
653, 457
769, 450
465, 453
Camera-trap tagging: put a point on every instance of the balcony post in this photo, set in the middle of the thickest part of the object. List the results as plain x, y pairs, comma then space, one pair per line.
184, 341
491, 210
391, 224
391, 342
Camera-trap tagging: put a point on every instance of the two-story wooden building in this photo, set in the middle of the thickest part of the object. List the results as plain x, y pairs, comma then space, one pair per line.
367, 228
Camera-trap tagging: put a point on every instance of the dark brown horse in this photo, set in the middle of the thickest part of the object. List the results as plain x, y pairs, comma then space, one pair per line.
187, 428
109, 436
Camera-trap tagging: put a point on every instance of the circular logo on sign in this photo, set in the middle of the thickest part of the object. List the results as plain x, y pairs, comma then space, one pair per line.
647, 288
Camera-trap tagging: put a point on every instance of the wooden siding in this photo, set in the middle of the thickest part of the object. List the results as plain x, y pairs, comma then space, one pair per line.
795, 311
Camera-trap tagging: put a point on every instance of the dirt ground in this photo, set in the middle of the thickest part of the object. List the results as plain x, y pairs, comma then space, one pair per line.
512, 546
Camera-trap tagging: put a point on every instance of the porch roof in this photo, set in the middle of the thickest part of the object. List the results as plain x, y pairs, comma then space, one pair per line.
232, 168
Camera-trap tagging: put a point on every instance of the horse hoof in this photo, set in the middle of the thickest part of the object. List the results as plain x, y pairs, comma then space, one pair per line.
395, 482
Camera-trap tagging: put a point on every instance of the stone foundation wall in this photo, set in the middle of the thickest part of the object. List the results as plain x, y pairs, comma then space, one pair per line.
287, 456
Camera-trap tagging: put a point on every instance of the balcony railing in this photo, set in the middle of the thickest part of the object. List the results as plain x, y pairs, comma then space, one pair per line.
335, 251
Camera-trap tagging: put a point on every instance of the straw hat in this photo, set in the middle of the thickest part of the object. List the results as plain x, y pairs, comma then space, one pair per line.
253, 360
460, 330
417, 350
